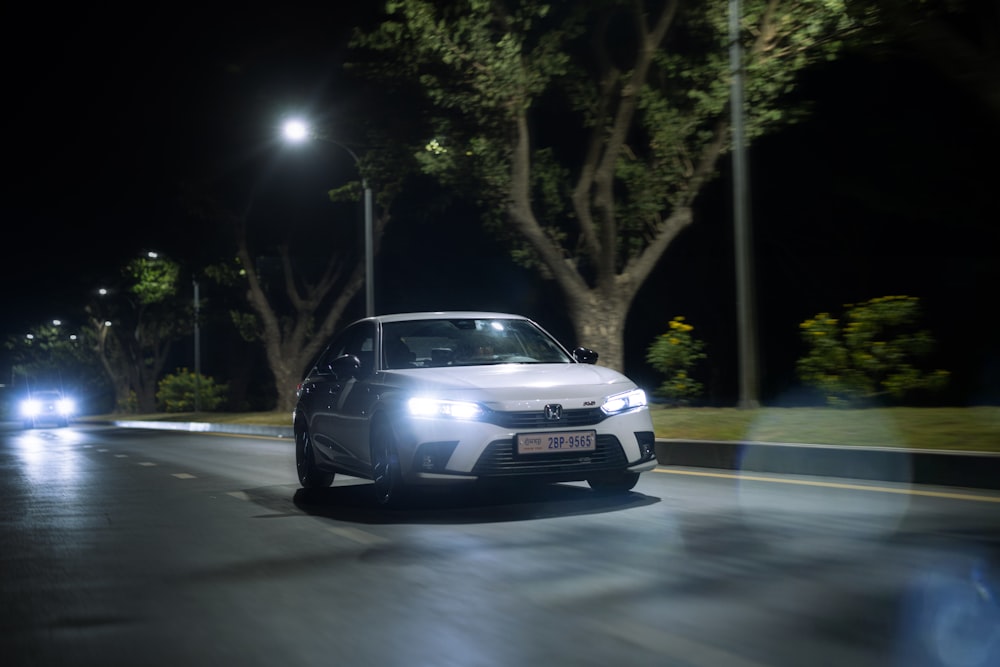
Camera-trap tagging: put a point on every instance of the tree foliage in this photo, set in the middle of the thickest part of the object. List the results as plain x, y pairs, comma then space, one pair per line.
874, 351
960, 39
586, 131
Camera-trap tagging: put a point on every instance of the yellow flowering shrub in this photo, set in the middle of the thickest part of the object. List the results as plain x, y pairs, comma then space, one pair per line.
872, 352
674, 354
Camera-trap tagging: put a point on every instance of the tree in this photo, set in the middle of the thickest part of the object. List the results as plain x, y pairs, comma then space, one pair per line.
296, 299
133, 324
588, 130
873, 352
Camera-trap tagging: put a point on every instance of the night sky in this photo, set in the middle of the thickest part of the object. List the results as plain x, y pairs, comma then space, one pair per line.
889, 188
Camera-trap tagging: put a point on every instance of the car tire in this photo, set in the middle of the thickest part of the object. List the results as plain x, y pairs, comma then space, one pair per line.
387, 476
614, 483
310, 476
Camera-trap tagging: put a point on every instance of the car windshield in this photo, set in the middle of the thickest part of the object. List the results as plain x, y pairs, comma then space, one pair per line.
467, 342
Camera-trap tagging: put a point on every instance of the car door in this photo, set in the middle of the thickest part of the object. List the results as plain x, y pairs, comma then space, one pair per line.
346, 360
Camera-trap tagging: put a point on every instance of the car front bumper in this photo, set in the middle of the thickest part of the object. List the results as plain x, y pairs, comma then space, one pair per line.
442, 451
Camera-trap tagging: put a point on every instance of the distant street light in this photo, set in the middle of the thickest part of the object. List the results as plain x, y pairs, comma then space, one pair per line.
296, 131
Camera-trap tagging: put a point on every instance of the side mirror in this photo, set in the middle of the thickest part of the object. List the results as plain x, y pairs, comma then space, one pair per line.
585, 355
346, 366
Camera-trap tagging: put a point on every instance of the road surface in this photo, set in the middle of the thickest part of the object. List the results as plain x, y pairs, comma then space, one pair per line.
134, 547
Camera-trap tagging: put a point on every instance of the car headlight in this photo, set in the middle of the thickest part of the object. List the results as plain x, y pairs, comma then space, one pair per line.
625, 401
434, 407
30, 407
65, 406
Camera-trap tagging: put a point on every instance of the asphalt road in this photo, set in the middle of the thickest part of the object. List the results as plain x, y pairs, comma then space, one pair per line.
134, 547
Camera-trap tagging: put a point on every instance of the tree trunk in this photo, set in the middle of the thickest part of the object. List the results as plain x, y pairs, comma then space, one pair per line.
599, 323
286, 380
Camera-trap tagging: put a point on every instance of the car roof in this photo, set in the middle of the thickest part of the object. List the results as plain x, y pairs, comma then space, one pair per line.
445, 315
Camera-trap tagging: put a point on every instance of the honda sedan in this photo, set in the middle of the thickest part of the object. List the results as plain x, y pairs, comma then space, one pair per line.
411, 400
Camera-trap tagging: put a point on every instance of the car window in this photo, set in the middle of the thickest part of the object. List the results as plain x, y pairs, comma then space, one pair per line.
47, 395
358, 339
467, 342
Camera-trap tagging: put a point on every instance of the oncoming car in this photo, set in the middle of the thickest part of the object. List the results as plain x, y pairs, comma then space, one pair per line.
417, 399
47, 407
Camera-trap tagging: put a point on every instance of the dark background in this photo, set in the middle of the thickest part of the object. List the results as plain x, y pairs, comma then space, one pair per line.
887, 188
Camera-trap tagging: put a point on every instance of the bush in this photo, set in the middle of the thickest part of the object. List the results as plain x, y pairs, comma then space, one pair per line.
872, 352
675, 354
176, 393
129, 405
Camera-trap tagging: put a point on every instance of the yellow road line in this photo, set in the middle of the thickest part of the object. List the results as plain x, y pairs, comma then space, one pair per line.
836, 485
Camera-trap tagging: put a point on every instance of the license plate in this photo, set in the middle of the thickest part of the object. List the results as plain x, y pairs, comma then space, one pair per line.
556, 441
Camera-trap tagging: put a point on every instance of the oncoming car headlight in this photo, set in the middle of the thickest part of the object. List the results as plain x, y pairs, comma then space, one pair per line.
30, 407
434, 407
65, 406
625, 401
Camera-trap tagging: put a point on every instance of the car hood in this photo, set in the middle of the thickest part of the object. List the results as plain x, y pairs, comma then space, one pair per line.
515, 386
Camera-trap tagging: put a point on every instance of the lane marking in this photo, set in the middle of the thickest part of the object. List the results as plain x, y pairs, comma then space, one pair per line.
147, 463
578, 589
239, 495
357, 535
836, 485
121, 456
183, 475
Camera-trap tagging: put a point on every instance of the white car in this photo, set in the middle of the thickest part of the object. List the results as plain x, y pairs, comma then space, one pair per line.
456, 397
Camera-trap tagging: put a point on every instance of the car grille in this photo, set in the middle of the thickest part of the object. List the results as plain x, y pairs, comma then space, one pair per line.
526, 420
499, 459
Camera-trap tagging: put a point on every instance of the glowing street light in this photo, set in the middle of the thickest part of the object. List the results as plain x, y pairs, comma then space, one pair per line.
297, 130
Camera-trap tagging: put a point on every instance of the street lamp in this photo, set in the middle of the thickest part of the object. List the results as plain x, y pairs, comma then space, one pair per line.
749, 390
296, 131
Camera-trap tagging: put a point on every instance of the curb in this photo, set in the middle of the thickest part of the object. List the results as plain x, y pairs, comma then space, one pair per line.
206, 427
886, 464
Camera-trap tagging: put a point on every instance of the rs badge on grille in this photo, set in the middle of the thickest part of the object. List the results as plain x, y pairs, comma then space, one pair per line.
553, 412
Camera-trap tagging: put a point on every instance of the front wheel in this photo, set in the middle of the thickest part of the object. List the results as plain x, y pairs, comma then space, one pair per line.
614, 483
310, 476
387, 476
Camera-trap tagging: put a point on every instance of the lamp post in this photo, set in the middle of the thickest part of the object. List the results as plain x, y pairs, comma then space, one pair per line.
297, 131
197, 346
749, 379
